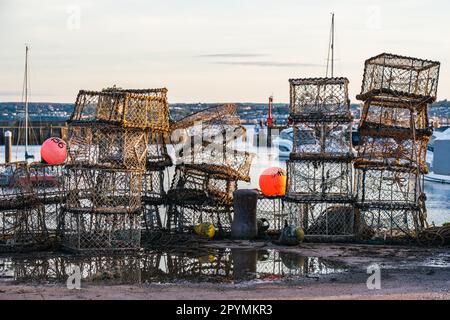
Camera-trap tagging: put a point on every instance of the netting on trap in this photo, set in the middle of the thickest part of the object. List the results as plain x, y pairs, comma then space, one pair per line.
390, 223
107, 146
396, 118
392, 152
182, 218
31, 227
319, 97
15, 186
153, 191
326, 219
154, 217
386, 187
217, 159
274, 210
47, 183
322, 139
393, 75
102, 191
92, 231
315, 180
192, 184
148, 110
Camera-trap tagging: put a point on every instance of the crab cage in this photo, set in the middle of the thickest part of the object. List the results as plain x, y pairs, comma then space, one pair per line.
191, 184
30, 212
390, 221
95, 231
322, 138
92, 190
322, 219
406, 77
107, 146
388, 186
386, 113
125, 108
320, 180
393, 152
316, 98
272, 213
184, 217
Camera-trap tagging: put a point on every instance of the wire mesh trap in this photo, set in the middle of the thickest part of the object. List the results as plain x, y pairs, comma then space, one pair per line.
315, 180
394, 75
318, 98
394, 134
107, 146
86, 231
183, 218
103, 191
126, 108
322, 138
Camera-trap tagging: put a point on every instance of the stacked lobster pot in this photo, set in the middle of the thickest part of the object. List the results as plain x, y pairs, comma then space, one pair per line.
30, 198
394, 133
320, 168
207, 169
108, 147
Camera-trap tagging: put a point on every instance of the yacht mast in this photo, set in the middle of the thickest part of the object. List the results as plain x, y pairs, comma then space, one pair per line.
331, 48
26, 102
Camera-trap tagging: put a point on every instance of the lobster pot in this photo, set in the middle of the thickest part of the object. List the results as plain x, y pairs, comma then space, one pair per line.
319, 180
327, 219
108, 146
86, 231
393, 152
217, 159
15, 188
385, 187
103, 191
322, 138
183, 218
388, 114
47, 183
26, 229
388, 222
319, 98
146, 109
271, 213
191, 184
388, 74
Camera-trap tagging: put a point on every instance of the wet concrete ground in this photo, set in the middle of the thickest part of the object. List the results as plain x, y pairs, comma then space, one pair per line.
234, 270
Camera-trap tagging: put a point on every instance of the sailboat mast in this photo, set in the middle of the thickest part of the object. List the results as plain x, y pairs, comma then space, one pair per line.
332, 44
26, 101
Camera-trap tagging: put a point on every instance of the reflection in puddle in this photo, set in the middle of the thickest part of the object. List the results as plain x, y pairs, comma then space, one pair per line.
220, 266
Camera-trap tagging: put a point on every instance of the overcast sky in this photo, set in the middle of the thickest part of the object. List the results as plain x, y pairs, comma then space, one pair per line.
206, 50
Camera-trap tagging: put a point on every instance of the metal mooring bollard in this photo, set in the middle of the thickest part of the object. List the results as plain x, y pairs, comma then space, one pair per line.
244, 224
8, 146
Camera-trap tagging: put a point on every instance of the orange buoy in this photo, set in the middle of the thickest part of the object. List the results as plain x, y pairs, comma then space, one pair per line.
54, 151
272, 182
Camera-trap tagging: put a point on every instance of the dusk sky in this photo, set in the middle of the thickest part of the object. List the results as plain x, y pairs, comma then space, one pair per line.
208, 51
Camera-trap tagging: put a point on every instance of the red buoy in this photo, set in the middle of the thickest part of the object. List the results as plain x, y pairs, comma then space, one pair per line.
54, 151
272, 182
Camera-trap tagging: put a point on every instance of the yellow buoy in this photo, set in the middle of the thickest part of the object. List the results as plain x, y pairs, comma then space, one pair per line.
205, 230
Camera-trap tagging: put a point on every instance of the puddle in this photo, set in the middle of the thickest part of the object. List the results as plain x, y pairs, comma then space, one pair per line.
216, 266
